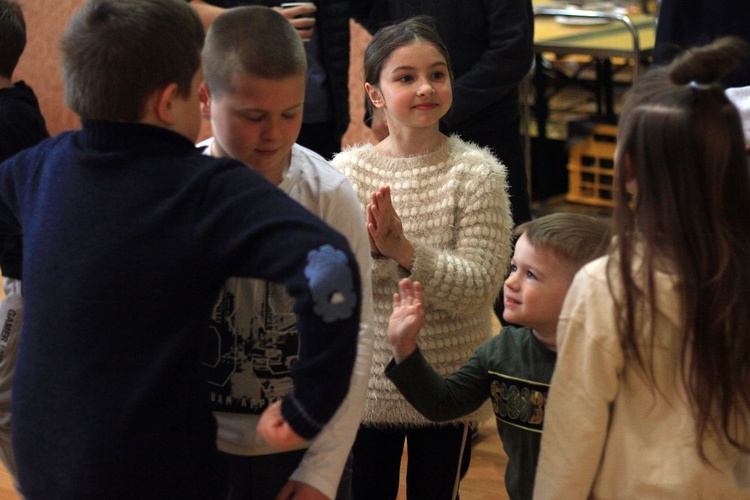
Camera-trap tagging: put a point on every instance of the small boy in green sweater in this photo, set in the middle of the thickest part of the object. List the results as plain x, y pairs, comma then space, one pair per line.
513, 368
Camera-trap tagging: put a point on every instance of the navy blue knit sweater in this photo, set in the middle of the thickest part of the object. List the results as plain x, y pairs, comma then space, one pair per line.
129, 232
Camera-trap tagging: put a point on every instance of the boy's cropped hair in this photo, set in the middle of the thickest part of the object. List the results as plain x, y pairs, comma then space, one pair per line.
12, 36
253, 40
575, 237
117, 53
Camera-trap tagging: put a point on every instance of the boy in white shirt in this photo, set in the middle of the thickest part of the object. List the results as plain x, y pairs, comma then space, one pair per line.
255, 74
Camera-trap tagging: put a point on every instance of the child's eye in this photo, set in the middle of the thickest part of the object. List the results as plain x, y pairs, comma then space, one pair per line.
253, 119
405, 78
513, 268
438, 75
289, 116
530, 275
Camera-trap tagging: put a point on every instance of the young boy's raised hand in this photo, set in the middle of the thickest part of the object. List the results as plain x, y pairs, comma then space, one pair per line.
406, 319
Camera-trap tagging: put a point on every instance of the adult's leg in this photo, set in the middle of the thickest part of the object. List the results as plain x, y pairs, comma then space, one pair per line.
376, 463
438, 457
502, 136
321, 138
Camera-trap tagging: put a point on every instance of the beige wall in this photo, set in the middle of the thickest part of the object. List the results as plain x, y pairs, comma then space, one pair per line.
40, 67
40, 64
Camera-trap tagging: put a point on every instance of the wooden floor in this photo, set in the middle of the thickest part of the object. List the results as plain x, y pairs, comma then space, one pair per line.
7, 491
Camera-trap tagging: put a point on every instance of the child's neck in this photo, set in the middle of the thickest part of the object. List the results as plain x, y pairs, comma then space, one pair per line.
411, 142
5, 83
548, 340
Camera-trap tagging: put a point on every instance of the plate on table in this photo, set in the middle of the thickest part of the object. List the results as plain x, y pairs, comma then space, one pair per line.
582, 21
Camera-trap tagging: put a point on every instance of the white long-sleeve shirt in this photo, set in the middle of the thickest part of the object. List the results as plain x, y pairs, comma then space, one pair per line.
261, 306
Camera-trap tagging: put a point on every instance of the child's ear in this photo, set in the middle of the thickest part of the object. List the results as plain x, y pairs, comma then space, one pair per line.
163, 104
375, 96
204, 96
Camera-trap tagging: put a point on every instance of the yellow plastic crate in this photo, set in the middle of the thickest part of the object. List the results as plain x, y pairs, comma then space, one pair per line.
591, 168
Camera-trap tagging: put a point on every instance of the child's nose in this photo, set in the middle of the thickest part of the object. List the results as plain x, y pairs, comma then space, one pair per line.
426, 87
272, 129
511, 281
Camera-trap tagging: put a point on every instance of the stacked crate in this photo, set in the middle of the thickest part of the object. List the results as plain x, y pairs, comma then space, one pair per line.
591, 168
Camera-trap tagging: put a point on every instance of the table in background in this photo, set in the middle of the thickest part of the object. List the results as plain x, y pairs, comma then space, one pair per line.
602, 42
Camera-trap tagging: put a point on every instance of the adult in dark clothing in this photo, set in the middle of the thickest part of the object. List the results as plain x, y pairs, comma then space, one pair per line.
686, 23
491, 45
326, 112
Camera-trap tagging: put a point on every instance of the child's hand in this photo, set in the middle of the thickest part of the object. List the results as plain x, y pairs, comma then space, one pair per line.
374, 250
295, 490
406, 319
275, 430
385, 229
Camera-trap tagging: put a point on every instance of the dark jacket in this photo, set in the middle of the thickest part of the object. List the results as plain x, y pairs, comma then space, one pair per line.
686, 23
21, 126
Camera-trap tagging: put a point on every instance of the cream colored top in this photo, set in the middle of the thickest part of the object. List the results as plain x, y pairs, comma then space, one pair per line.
454, 208
607, 432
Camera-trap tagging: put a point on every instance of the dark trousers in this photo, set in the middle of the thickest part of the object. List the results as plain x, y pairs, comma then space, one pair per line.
321, 138
502, 136
437, 456
260, 477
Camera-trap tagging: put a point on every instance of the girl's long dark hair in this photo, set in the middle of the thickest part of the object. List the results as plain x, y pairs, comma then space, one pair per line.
681, 142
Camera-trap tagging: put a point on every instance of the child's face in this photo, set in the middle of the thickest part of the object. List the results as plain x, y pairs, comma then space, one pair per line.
414, 87
536, 287
258, 121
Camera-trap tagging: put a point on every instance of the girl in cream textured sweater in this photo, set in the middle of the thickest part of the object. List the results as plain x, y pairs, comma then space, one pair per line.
437, 211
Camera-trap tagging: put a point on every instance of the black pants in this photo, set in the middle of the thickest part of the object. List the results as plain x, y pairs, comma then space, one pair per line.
321, 138
436, 456
260, 477
502, 135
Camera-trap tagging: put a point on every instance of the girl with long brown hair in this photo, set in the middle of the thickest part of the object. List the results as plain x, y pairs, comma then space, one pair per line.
651, 393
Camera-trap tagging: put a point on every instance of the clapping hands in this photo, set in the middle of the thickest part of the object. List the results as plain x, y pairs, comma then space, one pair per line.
385, 230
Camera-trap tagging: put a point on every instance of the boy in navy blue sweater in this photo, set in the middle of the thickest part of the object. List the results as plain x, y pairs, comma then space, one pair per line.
129, 233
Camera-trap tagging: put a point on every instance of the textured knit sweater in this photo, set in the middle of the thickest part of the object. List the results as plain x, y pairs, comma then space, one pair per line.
454, 208
129, 233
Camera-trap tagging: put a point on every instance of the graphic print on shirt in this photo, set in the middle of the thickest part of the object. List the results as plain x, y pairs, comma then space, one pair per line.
518, 402
252, 344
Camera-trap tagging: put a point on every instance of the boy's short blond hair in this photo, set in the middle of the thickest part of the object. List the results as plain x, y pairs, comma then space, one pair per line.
577, 238
251, 40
